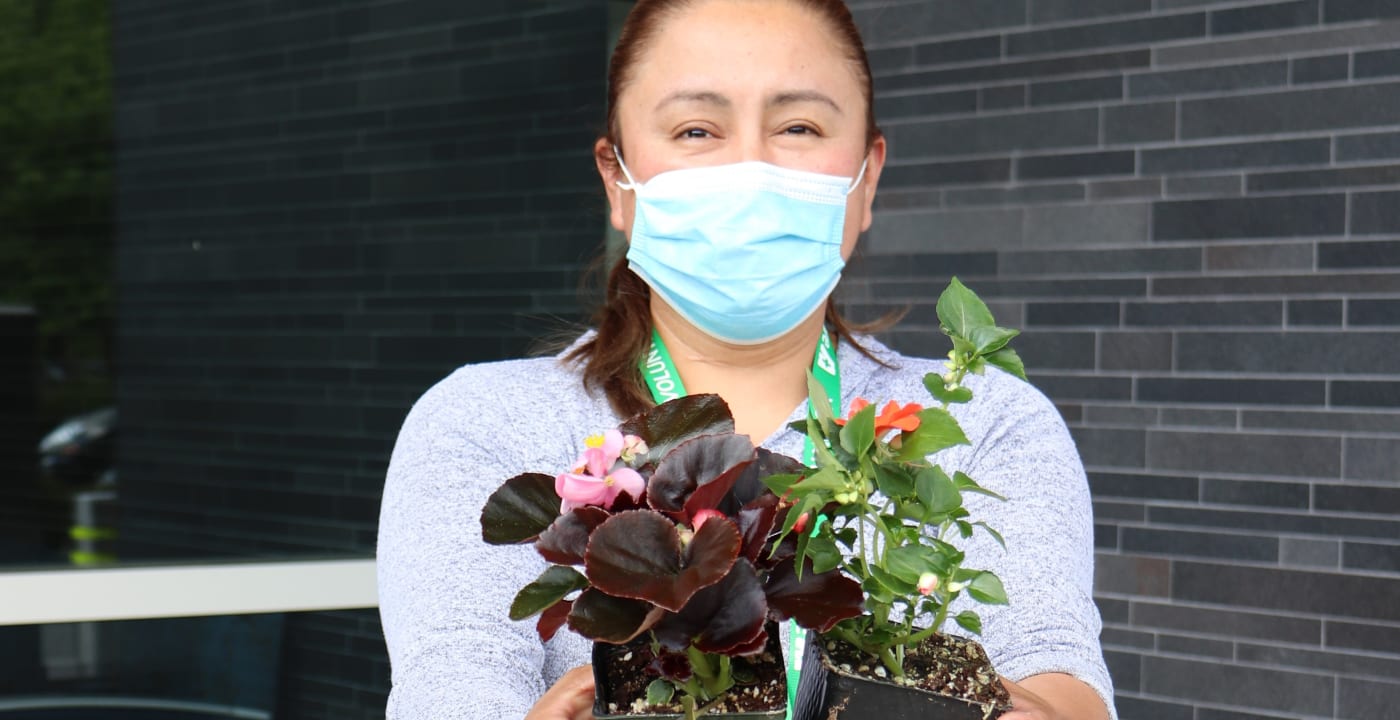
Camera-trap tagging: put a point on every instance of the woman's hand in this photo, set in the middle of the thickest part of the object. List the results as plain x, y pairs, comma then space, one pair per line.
1053, 696
569, 699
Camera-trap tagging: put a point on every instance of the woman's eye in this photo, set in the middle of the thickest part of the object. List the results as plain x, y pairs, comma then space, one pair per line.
799, 130
695, 133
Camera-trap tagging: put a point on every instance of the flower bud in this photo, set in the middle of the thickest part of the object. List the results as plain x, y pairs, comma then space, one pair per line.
801, 525
950, 379
928, 582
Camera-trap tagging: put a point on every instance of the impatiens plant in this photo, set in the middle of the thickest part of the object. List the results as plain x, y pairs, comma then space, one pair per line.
665, 528
877, 510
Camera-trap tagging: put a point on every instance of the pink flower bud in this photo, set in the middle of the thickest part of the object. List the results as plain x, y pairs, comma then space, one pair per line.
928, 582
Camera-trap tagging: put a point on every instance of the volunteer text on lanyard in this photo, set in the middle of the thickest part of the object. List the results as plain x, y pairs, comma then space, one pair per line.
665, 384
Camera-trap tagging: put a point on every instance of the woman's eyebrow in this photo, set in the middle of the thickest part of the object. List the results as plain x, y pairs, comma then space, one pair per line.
800, 96
703, 96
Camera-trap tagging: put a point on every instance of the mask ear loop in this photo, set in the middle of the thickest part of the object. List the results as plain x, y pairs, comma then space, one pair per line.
632, 183
854, 184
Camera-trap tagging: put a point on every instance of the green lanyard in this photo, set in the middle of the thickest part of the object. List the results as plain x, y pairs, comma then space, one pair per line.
665, 383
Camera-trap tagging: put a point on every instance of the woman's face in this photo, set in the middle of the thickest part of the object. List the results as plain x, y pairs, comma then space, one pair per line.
729, 81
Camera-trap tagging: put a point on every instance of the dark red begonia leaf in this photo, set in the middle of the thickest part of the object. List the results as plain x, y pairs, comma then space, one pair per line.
638, 554
520, 509
673, 422
565, 540
553, 618
755, 524
721, 618
603, 618
672, 665
750, 487
705, 460
817, 601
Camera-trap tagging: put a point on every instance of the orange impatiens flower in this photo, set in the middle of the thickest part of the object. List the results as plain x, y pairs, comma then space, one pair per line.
892, 416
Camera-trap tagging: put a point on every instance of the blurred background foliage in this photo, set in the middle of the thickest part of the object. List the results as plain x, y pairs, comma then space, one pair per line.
56, 191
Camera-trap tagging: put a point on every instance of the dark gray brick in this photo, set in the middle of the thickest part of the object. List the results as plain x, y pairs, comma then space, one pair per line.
1123, 32
1277, 44
1080, 387
1275, 521
1325, 68
1231, 392
1139, 123
1076, 262
1059, 92
1297, 216
1017, 195
1238, 623
1154, 541
1371, 556
1120, 189
1127, 639
1044, 167
1108, 447
1377, 63
1002, 97
1132, 575
1301, 552
1350, 10
1353, 596
1198, 647
1120, 415
1292, 456
1264, 17
1309, 179
1046, 11
1292, 111
1136, 351
1219, 156
1375, 213
1029, 131
1318, 313
1372, 458
1113, 611
1358, 636
1020, 70
1361, 393
945, 103
1361, 699
1323, 420
1363, 312
1359, 254
1131, 708
1258, 493
1294, 352
1125, 669
1204, 314
1072, 313
1069, 226
884, 61
1111, 511
1206, 185
924, 264
1235, 685
1105, 536
1371, 146
1197, 418
1058, 350
962, 50
947, 173
1300, 659
1260, 256
1357, 498
1208, 80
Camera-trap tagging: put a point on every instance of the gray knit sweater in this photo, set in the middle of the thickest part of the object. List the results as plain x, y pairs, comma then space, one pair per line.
444, 594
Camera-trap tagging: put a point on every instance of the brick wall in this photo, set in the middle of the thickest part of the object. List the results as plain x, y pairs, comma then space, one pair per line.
1193, 208
323, 208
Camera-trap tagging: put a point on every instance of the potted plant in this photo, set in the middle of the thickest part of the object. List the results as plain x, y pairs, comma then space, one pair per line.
663, 550
888, 518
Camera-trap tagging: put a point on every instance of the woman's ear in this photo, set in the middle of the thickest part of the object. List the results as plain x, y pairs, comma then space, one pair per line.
611, 173
875, 163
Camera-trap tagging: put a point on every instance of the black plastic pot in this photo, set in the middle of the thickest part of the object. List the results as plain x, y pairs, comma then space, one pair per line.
826, 692
604, 652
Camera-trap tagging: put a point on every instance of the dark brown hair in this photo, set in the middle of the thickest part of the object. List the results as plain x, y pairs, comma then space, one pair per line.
623, 321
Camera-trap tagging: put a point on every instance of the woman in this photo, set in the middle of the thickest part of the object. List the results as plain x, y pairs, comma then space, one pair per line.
741, 159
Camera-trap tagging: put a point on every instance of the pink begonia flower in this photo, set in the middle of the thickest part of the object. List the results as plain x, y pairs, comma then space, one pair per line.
594, 480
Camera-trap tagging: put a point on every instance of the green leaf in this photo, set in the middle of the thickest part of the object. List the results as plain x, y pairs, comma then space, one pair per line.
823, 552
969, 621
780, 483
519, 510
1008, 360
893, 481
847, 536
967, 484
876, 591
995, 535
987, 588
859, 431
989, 340
549, 588
909, 562
978, 365
965, 529
934, 383
828, 479
937, 431
961, 311
660, 692
818, 400
937, 491
896, 584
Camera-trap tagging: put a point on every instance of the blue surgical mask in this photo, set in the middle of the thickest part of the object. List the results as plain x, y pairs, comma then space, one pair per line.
744, 252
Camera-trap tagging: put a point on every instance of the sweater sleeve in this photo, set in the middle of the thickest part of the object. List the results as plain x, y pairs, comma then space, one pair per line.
443, 592
1026, 454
